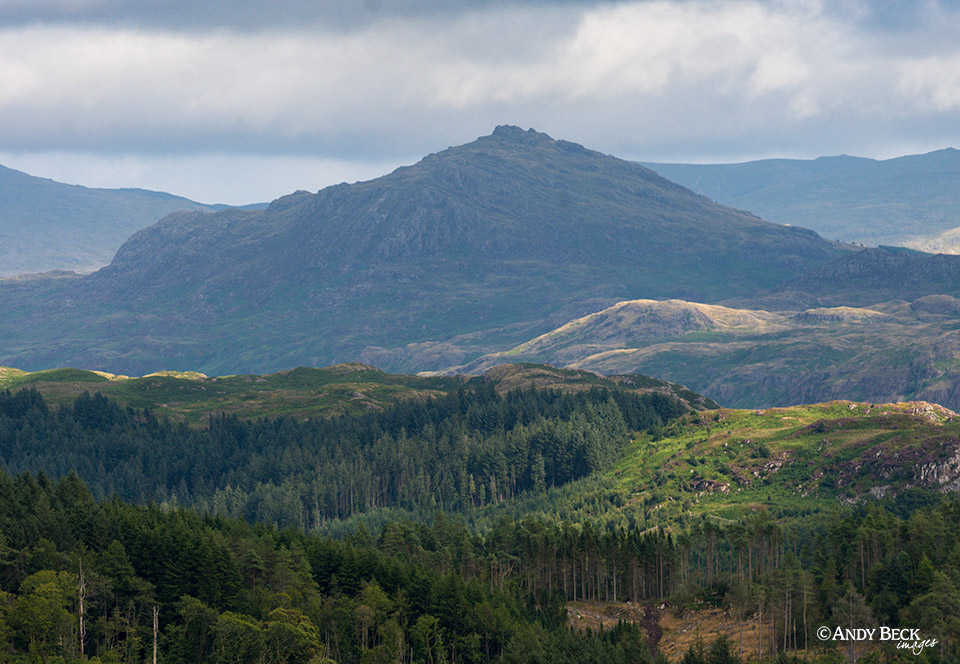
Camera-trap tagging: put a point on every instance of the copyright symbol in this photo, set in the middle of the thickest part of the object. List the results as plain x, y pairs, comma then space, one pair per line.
823, 633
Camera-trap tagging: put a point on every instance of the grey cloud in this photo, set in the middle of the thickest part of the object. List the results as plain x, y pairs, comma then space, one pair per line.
190, 14
648, 80
338, 15
248, 15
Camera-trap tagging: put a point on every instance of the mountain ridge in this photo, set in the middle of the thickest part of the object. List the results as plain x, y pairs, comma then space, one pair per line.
47, 225
887, 351
504, 236
910, 200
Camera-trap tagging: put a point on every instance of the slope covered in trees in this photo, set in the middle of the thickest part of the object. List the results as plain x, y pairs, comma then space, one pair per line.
551, 503
80, 578
109, 582
471, 447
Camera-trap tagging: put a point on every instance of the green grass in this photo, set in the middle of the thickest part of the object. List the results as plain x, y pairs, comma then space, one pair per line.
652, 486
305, 391
192, 397
58, 376
769, 460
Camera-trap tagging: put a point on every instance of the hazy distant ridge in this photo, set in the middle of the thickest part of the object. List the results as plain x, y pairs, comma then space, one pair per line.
47, 225
909, 200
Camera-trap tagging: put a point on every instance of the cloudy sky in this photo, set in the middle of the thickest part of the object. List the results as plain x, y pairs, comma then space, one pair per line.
230, 102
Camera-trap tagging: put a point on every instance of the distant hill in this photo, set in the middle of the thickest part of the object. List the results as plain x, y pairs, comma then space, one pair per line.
490, 243
47, 225
864, 278
911, 201
312, 392
891, 351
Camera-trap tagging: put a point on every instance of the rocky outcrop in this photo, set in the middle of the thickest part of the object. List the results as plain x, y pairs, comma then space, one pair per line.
839, 315
705, 486
943, 474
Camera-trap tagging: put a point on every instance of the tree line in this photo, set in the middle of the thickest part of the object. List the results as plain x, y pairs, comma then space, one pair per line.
107, 581
217, 581
469, 448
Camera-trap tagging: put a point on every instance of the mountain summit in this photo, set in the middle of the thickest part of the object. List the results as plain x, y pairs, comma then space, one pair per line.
495, 239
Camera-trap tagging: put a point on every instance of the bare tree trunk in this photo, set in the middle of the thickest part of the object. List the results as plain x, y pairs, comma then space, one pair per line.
786, 617
81, 595
773, 625
804, 618
740, 618
863, 578
156, 624
760, 629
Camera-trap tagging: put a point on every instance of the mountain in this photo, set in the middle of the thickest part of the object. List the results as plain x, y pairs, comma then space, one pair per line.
890, 351
871, 276
488, 243
47, 225
912, 200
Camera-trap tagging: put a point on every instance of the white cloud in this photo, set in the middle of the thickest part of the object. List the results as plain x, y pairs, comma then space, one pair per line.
654, 79
933, 83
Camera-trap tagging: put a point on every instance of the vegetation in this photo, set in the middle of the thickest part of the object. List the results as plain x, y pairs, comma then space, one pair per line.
344, 515
344, 389
469, 448
727, 465
225, 591
193, 397
489, 513
109, 582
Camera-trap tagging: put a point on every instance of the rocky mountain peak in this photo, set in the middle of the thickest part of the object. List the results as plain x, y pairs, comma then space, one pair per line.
514, 134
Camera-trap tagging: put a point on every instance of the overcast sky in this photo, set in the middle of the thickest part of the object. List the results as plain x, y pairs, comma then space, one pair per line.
231, 102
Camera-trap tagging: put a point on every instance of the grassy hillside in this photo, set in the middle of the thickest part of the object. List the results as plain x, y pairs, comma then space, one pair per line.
741, 357
192, 396
733, 461
728, 466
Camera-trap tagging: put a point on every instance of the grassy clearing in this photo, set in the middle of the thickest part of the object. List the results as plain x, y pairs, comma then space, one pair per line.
725, 462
